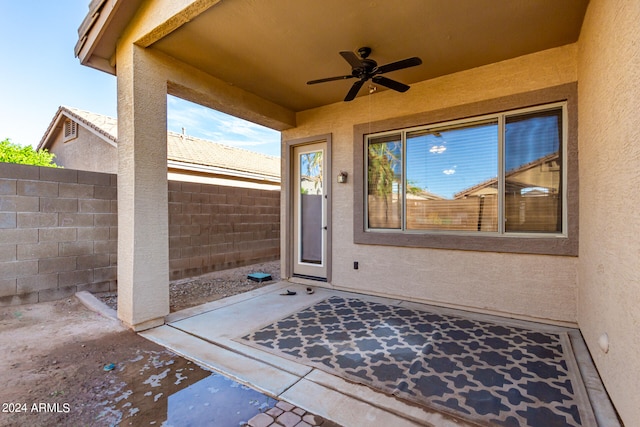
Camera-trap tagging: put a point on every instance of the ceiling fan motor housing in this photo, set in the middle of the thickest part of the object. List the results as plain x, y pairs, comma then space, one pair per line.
367, 68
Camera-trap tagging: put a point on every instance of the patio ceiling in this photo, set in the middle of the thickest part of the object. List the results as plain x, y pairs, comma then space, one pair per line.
272, 48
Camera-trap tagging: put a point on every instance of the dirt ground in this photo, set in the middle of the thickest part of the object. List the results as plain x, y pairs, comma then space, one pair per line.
52, 356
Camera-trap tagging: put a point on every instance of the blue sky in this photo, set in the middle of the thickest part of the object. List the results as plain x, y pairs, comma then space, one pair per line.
39, 73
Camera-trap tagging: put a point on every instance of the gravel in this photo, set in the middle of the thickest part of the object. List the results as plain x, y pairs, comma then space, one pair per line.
185, 293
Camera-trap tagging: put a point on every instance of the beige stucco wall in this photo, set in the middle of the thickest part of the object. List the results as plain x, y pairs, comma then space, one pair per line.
609, 261
87, 152
517, 285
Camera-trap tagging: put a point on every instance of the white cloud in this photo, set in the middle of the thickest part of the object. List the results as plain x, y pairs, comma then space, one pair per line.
449, 171
437, 149
205, 123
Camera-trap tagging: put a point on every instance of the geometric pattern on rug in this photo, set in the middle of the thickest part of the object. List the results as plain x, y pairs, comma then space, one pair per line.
486, 372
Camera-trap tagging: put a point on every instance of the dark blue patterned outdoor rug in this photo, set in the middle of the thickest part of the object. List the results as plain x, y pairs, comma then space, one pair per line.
487, 373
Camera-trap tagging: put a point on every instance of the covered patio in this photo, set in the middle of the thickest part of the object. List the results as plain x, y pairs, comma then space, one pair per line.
545, 235
356, 359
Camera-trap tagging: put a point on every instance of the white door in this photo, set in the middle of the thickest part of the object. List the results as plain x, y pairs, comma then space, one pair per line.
310, 228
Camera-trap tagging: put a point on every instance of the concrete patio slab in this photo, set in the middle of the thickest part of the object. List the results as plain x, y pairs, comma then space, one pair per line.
261, 376
210, 335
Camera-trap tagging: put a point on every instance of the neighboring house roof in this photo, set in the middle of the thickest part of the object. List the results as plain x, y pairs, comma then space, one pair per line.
493, 182
183, 151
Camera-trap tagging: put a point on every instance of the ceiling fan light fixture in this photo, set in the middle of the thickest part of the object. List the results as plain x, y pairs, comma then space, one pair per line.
365, 69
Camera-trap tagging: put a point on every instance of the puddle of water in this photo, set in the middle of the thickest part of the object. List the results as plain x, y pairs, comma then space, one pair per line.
162, 389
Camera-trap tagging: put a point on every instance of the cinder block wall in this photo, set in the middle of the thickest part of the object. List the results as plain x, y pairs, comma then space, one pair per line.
217, 227
58, 233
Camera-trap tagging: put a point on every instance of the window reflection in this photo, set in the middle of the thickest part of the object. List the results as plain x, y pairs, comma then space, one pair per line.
385, 182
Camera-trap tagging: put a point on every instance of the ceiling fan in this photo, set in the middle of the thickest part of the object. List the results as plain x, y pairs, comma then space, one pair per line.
363, 69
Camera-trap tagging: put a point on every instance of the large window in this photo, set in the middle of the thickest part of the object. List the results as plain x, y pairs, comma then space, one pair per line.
499, 174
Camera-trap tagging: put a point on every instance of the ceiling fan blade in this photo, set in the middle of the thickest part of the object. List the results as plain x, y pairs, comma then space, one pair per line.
391, 84
351, 58
354, 90
330, 79
398, 65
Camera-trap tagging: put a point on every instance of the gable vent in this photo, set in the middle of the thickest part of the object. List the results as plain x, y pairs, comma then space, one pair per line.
70, 130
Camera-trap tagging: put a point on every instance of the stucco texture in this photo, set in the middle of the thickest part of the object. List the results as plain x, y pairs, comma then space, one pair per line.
86, 152
524, 286
609, 128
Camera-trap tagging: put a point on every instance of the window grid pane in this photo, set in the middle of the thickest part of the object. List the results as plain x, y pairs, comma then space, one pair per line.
384, 182
452, 178
533, 187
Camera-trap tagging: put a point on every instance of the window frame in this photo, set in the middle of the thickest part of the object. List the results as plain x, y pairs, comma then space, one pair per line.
564, 243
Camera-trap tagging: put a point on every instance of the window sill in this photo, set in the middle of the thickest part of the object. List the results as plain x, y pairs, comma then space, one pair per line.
529, 244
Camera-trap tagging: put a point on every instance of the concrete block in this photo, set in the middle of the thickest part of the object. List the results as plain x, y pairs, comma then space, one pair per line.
179, 219
190, 230
57, 234
37, 283
210, 189
36, 219
37, 188
200, 198
86, 262
94, 206
192, 208
21, 269
105, 219
174, 253
58, 175
8, 187
77, 277
8, 220
18, 235
77, 248
7, 286
179, 264
105, 246
191, 187
93, 233
218, 199
73, 190
56, 265
200, 219
37, 250
94, 178
179, 197
113, 233
114, 206
58, 205
56, 294
105, 274
175, 186
199, 240
16, 171
19, 203
175, 208
13, 300
7, 252
106, 193
67, 219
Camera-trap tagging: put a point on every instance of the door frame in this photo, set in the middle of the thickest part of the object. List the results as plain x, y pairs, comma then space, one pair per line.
286, 252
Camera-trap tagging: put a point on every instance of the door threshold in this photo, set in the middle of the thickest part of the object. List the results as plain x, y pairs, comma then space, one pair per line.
304, 276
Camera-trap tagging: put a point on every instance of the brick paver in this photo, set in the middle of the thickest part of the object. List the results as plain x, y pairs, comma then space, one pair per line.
285, 414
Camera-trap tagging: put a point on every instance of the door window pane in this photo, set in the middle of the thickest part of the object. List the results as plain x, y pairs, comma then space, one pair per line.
533, 199
452, 178
311, 198
384, 184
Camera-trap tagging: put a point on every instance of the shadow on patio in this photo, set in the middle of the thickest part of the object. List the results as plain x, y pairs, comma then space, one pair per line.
357, 360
